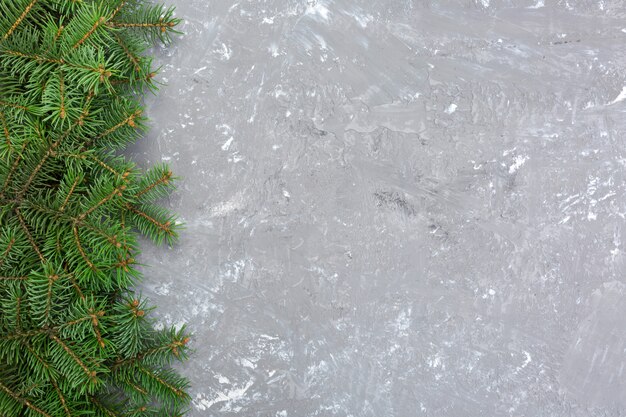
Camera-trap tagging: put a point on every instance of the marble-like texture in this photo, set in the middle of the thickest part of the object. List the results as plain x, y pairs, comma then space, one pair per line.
396, 207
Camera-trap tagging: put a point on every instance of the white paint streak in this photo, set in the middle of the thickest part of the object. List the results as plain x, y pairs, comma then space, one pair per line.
224, 52
203, 403
318, 9
519, 161
226, 145
620, 97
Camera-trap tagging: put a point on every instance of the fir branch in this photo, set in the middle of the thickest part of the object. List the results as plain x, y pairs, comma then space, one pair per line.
164, 179
102, 72
96, 325
49, 152
46, 365
18, 309
76, 287
90, 374
20, 19
62, 111
82, 251
165, 227
5, 253
134, 59
5, 130
69, 194
23, 400
14, 166
51, 280
61, 398
104, 408
137, 388
116, 192
118, 9
29, 235
24, 335
52, 148
95, 26
90, 156
156, 377
55, 39
73, 74
13, 105
162, 25
130, 121
39, 59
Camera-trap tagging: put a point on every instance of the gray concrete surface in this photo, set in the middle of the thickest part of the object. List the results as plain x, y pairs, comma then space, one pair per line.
396, 207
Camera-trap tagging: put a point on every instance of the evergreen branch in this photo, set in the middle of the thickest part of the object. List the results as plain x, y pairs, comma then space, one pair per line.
23, 401
32, 176
84, 156
95, 323
38, 357
162, 25
124, 263
131, 56
95, 26
17, 161
62, 95
76, 286
137, 388
13, 105
78, 321
69, 194
72, 74
61, 398
82, 251
49, 152
5, 129
174, 346
51, 280
38, 58
25, 335
153, 375
104, 165
112, 239
52, 149
20, 19
80, 221
18, 307
24, 278
5, 254
100, 70
56, 38
13, 169
90, 374
104, 408
130, 121
147, 79
164, 179
123, 224
114, 193
29, 235
117, 9
94, 318
164, 227
28, 388
86, 107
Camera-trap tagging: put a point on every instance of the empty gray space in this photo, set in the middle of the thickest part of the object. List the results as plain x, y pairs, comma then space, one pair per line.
396, 207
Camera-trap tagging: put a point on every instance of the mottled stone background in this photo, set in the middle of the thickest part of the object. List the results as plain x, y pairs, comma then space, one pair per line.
396, 207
